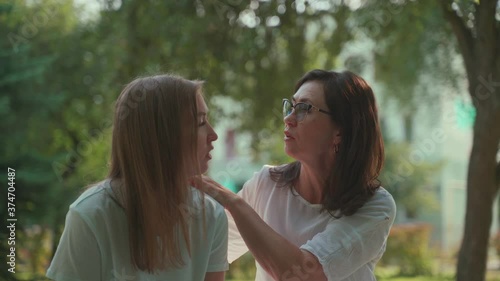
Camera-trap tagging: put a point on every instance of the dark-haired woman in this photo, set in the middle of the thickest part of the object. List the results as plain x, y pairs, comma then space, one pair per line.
324, 216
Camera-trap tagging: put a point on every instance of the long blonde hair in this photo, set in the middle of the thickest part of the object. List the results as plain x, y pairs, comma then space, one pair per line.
152, 156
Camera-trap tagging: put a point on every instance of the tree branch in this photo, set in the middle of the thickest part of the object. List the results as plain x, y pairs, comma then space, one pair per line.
487, 34
498, 175
464, 35
497, 51
485, 18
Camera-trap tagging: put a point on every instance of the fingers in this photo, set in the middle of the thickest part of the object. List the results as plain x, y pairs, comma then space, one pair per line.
207, 185
214, 189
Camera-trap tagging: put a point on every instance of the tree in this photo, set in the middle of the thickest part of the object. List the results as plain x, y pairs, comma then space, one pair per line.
251, 51
411, 184
476, 27
404, 64
477, 31
51, 105
20, 112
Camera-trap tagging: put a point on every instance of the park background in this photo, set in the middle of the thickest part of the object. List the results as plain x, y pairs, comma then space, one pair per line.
434, 67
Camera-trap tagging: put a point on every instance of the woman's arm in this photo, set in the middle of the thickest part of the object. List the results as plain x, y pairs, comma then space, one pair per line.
214, 276
343, 247
280, 258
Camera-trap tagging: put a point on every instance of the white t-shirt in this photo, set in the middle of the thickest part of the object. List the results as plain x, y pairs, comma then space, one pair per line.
348, 248
94, 245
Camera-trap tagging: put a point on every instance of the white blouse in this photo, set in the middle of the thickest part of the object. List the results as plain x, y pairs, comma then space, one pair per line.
348, 248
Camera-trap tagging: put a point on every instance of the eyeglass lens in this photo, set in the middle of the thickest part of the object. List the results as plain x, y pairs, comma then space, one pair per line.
300, 109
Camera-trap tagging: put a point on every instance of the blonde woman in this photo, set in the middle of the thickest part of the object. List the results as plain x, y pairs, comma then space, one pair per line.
144, 221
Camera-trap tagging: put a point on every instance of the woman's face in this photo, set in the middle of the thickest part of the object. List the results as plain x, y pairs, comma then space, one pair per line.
206, 134
311, 139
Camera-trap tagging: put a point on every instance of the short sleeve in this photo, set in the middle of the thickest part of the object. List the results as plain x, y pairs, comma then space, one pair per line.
237, 246
351, 242
77, 257
218, 253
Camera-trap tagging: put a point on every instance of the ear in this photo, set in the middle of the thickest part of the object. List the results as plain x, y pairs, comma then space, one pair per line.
335, 143
337, 138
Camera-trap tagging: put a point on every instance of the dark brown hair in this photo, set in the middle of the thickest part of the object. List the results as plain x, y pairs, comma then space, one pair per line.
152, 154
353, 178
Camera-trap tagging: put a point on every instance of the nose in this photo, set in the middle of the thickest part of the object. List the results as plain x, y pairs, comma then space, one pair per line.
290, 119
212, 135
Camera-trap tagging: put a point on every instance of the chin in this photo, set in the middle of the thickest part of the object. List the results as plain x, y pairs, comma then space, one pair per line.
289, 152
203, 168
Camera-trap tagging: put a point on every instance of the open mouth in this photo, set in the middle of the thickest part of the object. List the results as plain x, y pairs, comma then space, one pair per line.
209, 155
288, 136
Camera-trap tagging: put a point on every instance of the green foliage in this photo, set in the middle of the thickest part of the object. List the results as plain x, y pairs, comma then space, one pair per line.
408, 248
414, 50
46, 112
243, 268
251, 51
59, 78
409, 179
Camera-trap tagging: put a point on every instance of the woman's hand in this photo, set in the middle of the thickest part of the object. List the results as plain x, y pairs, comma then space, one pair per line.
206, 184
276, 255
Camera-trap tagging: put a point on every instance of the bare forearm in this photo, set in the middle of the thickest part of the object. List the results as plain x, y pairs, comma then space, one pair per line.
280, 258
214, 276
275, 254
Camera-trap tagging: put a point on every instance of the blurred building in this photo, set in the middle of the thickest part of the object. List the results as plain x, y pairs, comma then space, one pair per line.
441, 132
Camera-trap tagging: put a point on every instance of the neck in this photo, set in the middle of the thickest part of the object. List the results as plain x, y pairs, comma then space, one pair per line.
311, 181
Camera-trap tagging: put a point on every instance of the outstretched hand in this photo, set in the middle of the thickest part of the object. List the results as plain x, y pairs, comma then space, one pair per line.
212, 188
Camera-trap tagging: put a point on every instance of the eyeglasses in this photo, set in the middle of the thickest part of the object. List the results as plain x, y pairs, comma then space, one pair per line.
301, 109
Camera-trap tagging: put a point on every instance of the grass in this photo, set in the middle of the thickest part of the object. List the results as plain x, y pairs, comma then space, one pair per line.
396, 278
389, 274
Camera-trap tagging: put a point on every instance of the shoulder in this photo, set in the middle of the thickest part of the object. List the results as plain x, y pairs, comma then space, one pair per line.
383, 200
380, 207
259, 187
259, 183
90, 197
265, 172
96, 201
213, 209
262, 176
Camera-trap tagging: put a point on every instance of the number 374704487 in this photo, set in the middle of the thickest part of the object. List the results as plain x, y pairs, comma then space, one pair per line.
11, 196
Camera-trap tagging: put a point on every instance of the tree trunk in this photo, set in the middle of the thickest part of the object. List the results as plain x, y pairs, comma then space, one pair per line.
481, 192
408, 126
480, 48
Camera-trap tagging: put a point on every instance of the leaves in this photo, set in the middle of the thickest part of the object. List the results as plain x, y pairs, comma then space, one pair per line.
60, 76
